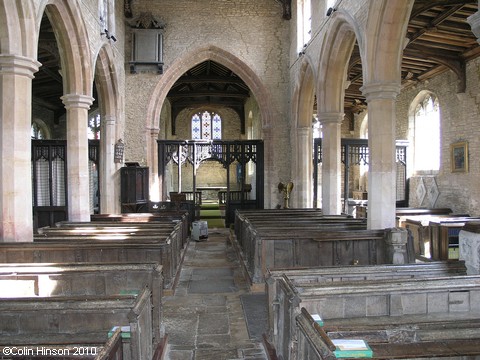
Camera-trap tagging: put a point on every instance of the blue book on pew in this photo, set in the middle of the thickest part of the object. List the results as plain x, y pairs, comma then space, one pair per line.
125, 332
352, 348
318, 319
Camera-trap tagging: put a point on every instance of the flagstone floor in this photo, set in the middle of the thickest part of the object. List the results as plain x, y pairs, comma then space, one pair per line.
204, 319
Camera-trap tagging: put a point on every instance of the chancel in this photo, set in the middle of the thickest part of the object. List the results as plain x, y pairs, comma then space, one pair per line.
204, 179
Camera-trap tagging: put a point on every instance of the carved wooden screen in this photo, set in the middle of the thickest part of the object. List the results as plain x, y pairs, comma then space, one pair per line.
182, 153
355, 152
49, 180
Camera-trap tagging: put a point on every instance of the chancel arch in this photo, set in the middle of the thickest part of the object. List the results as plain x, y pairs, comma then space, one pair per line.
176, 70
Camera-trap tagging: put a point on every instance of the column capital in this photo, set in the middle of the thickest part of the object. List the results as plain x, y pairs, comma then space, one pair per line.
109, 120
330, 118
474, 21
18, 65
304, 130
77, 101
375, 91
154, 131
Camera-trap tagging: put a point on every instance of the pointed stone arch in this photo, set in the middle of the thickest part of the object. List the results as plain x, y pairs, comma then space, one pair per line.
71, 34
106, 81
196, 56
302, 107
335, 54
385, 39
17, 24
337, 46
177, 69
390, 19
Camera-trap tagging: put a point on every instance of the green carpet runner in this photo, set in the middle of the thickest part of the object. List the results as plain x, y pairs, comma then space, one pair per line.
211, 213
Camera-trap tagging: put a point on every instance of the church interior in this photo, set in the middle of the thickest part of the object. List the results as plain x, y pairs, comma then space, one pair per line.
239, 179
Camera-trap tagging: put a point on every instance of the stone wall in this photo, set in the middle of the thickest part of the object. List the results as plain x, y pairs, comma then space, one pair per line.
253, 33
459, 117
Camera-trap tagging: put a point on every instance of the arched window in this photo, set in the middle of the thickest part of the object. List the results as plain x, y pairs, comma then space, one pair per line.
206, 126
304, 23
94, 127
426, 134
39, 130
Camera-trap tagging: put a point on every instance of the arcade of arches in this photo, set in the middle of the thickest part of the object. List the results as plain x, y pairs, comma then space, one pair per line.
359, 69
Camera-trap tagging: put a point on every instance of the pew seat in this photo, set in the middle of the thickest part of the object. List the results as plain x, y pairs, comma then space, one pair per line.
82, 319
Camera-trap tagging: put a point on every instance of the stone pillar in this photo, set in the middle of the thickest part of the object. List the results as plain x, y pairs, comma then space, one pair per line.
155, 190
269, 174
396, 240
469, 249
77, 156
108, 184
303, 182
331, 163
16, 215
474, 21
381, 144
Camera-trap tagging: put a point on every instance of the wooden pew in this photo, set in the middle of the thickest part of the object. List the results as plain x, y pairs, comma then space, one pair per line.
92, 252
79, 279
320, 247
419, 310
112, 349
403, 213
314, 343
83, 320
181, 216
177, 228
331, 274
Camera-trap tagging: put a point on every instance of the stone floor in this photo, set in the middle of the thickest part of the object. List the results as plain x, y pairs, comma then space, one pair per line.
204, 319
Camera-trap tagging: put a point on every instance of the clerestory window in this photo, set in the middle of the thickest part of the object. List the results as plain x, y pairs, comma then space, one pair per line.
427, 134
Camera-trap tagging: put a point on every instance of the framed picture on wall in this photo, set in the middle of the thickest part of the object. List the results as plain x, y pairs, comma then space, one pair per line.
459, 156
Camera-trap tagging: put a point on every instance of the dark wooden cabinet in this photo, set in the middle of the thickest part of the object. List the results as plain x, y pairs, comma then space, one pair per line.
134, 189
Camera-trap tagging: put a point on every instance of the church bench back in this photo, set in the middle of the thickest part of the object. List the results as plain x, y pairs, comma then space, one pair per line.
313, 343
92, 252
181, 217
376, 302
80, 319
330, 274
319, 247
73, 279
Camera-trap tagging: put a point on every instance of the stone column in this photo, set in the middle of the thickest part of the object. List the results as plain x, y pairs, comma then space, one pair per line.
108, 184
269, 174
474, 21
331, 163
155, 190
469, 248
303, 182
396, 240
381, 144
77, 156
16, 215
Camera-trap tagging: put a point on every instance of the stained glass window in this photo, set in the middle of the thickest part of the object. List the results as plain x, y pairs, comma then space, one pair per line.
206, 126
94, 127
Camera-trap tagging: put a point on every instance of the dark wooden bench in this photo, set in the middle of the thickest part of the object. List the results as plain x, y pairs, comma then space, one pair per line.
112, 349
418, 310
83, 320
92, 252
331, 274
314, 343
320, 247
79, 279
